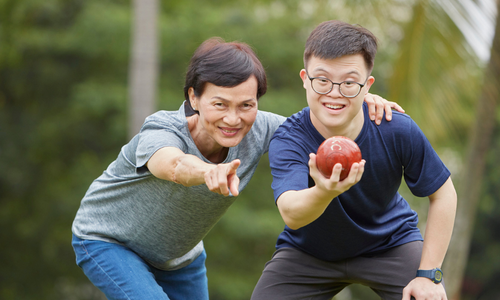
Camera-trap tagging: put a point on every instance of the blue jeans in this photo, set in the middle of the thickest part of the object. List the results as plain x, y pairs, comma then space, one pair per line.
121, 274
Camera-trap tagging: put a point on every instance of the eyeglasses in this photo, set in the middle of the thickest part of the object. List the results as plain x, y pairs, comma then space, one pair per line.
323, 86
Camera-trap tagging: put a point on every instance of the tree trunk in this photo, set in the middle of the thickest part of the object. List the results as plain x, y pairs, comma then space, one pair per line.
471, 178
143, 67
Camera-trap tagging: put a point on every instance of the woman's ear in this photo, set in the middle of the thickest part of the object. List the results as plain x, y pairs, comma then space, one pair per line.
192, 98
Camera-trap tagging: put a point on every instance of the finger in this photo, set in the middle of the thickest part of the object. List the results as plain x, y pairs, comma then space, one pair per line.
315, 173
312, 161
211, 182
389, 107
234, 165
337, 169
380, 112
371, 106
313, 168
233, 179
376, 107
352, 175
226, 180
407, 297
361, 170
406, 294
396, 106
234, 183
388, 112
223, 183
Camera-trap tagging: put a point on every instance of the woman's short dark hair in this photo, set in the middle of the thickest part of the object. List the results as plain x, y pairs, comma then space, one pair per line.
333, 39
226, 64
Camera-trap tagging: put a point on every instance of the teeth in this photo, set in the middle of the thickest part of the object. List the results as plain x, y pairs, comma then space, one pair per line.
229, 131
334, 106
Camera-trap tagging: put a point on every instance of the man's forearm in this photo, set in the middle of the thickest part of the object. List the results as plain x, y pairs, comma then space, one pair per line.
299, 208
439, 228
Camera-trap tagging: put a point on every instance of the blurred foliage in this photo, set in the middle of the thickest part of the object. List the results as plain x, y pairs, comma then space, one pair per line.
435, 70
483, 271
63, 98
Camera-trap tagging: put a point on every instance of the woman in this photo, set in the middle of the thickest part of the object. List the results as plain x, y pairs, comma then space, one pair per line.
138, 232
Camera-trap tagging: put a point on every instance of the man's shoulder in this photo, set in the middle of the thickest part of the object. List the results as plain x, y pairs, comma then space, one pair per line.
401, 117
398, 118
400, 122
297, 132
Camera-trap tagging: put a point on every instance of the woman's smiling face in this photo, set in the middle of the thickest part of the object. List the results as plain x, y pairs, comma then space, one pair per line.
226, 114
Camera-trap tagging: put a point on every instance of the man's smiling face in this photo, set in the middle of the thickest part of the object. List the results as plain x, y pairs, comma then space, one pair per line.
332, 113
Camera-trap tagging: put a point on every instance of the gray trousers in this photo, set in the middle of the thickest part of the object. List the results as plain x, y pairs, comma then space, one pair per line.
293, 274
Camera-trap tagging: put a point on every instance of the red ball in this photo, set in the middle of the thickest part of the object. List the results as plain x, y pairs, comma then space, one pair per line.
337, 149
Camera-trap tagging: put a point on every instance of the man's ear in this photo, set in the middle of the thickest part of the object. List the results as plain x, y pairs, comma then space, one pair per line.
369, 83
304, 77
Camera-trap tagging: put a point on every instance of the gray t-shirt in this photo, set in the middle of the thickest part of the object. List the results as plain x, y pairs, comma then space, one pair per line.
160, 220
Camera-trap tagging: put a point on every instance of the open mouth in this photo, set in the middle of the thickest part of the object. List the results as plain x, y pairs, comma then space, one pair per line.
229, 131
334, 106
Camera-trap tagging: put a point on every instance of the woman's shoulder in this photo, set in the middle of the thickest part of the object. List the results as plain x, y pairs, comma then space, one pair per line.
267, 122
165, 119
269, 116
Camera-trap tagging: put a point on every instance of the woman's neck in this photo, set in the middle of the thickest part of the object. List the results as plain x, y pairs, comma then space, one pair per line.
208, 147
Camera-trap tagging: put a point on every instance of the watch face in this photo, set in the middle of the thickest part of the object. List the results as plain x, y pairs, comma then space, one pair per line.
438, 275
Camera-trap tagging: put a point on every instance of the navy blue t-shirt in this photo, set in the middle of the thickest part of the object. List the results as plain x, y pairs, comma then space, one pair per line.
371, 216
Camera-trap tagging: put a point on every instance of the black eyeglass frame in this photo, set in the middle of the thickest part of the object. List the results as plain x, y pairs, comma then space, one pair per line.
334, 83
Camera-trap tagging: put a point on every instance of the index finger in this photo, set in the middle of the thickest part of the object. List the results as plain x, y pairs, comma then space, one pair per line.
225, 179
234, 165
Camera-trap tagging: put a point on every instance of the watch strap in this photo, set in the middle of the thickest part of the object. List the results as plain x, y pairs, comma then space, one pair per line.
436, 275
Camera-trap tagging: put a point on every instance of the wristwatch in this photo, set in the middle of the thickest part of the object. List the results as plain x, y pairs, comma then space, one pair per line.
436, 275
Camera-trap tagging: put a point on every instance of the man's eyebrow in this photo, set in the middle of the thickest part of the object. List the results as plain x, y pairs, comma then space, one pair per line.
320, 69
353, 72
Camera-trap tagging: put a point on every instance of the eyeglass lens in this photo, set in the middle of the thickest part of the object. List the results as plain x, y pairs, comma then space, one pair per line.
324, 86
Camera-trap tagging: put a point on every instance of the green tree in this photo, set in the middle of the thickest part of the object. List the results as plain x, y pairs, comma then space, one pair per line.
62, 81
63, 115
471, 180
430, 80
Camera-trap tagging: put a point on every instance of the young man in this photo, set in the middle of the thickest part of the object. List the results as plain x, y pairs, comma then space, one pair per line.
359, 230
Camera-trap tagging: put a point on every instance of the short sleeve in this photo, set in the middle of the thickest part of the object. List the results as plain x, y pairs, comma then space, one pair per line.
155, 135
265, 126
424, 172
289, 166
